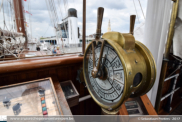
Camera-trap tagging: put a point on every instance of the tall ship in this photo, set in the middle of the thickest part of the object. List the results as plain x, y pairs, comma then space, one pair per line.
136, 73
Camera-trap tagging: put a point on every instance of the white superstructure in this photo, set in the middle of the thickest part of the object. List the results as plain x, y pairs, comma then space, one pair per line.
68, 29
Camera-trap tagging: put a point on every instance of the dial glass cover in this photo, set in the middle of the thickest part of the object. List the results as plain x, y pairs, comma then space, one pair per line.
108, 90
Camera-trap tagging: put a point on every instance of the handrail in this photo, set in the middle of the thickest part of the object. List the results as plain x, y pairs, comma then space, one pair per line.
4, 59
34, 63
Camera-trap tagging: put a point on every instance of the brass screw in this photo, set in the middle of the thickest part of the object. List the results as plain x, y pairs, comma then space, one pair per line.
109, 109
136, 61
129, 73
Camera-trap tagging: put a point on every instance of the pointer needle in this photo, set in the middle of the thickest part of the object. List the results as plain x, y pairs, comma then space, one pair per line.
104, 62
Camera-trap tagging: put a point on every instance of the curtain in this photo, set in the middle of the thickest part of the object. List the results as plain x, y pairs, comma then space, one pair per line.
155, 35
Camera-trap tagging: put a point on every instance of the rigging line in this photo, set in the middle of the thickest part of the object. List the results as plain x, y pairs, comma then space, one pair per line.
49, 11
59, 1
64, 3
55, 11
46, 30
65, 6
4, 20
141, 8
56, 24
29, 19
136, 11
62, 18
1, 5
67, 3
13, 14
3, 15
7, 9
66, 15
74, 36
10, 16
30, 22
54, 17
139, 26
11, 19
52, 12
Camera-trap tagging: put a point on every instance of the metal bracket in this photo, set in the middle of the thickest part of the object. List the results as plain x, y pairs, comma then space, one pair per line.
165, 59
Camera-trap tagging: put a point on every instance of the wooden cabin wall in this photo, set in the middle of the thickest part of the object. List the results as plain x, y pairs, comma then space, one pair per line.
177, 100
60, 73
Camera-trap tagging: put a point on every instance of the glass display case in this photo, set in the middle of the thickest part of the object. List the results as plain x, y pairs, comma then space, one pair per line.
29, 98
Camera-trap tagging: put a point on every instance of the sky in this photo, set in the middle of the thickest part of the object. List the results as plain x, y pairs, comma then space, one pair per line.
117, 11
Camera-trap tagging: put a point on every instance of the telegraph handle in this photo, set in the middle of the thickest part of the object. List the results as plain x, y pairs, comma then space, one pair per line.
132, 23
100, 13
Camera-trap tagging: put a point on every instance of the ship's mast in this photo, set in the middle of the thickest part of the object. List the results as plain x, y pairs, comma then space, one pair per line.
84, 26
19, 17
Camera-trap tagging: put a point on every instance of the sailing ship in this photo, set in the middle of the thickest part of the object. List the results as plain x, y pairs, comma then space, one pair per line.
24, 60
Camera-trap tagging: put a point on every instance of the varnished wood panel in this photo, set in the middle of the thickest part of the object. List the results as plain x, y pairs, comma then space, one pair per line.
43, 74
58, 72
32, 75
146, 104
37, 63
62, 73
22, 77
62, 100
123, 110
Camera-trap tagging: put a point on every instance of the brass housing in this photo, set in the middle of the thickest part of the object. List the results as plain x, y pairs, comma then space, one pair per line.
136, 58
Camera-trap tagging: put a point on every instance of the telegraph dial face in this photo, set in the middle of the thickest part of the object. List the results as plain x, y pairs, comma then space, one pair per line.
108, 90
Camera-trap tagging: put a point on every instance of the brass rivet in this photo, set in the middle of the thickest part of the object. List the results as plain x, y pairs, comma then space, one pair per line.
136, 61
129, 73
109, 109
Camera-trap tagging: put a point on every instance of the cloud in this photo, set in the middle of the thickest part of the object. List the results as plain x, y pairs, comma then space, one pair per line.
117, 11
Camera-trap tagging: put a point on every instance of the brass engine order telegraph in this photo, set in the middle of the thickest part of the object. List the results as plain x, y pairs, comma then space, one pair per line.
117, 67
